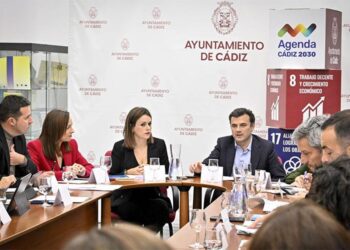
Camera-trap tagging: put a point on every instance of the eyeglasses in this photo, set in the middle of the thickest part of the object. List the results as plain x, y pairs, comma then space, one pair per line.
315, 123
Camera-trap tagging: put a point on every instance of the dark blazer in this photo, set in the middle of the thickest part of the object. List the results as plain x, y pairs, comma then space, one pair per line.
263, 156
124, 158
21, 148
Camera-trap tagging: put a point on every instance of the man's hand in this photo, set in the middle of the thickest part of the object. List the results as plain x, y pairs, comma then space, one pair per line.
303, 181
16, 158
259, 221
196, 167
7, 181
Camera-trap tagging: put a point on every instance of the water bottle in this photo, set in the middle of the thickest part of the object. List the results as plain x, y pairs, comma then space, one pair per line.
175, 170
238, 199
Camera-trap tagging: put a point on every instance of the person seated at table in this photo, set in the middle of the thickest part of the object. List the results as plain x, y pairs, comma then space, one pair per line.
335, 136
307, 136
118, 237
330, 188
143, 206
301, 225
243, 147
15, 120
55, 150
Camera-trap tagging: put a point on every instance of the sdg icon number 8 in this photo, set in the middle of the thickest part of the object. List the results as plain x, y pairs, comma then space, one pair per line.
292, 81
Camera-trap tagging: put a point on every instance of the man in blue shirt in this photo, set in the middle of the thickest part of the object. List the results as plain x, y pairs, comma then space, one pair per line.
243, 147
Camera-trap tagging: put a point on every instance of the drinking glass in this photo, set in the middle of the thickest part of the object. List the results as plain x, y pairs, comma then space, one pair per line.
154, 161
45, 188
197, 223
3, 195
67, 176
225, 200
248, 170
213, 167
175, 166
212, 170
213, 162
106, 162
154, 165
212, 239
260, 178
238, 172
238, 200
250, 185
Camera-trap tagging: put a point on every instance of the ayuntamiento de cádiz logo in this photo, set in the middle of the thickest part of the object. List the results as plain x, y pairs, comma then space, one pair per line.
224, 18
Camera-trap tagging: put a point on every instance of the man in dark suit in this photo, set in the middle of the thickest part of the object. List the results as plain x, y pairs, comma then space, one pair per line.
15, 119
242, 147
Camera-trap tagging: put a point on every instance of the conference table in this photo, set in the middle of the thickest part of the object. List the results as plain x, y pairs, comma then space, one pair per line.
184, 186
186, 235
52, 227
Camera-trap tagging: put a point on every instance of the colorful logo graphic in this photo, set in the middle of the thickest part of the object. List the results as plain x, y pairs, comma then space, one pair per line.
299, 28
292, 164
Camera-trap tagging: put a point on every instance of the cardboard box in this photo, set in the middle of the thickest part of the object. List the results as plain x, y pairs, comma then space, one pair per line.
292, 96
285, 148
305, 39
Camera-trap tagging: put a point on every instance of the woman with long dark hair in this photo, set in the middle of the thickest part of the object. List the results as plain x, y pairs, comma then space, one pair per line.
55, 150
143, 206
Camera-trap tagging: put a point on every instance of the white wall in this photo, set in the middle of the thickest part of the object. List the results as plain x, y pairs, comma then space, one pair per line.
34, 21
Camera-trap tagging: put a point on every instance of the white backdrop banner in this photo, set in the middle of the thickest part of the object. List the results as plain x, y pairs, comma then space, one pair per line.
189, 62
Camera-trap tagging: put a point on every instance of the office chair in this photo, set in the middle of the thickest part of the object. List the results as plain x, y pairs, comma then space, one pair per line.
164, 193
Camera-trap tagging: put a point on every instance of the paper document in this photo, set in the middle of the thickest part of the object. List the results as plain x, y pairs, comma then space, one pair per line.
269, 206
245, 230
75, 181
75, 199
95, 187
227, 178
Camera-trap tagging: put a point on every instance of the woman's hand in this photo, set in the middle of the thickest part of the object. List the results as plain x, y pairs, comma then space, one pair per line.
77, 169
135, 171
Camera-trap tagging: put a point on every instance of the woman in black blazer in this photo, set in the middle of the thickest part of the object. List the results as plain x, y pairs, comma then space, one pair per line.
144, 206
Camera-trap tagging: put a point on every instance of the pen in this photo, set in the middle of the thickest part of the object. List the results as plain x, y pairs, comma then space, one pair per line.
305, 177
279, 187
